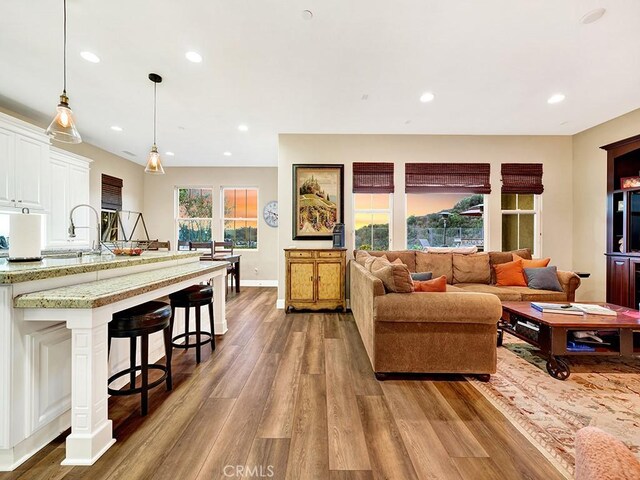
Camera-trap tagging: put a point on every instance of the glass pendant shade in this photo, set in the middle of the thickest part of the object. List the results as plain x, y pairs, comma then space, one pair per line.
154, 165
63, 127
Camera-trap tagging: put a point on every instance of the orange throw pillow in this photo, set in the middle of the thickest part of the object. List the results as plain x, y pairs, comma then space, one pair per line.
533, 263
435, 285
510, 274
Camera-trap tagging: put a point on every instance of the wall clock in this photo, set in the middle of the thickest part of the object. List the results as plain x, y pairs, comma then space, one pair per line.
270, 213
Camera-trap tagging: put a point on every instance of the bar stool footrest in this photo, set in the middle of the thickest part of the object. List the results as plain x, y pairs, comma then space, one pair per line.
207, 339
138, 368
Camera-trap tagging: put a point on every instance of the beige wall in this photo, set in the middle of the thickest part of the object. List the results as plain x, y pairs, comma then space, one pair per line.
590, 200
131, 173
554, 152
257, 267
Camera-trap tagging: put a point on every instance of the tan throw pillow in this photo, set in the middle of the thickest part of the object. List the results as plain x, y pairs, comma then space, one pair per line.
396, 278
437, 263
377, 263
473, 268
361, 257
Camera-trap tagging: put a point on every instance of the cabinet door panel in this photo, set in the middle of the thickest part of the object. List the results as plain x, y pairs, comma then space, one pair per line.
7, 175
301, 279
79, 193
31, 156
57, 222
329, 281
618, 281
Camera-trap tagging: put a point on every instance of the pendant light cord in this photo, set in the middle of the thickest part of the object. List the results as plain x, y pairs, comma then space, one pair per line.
64, 55
155, 117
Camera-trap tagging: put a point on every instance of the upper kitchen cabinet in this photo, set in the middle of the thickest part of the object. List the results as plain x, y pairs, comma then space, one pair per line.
69, 178
24, 160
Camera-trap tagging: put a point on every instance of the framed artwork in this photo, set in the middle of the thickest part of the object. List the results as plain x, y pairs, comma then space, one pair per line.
318, 201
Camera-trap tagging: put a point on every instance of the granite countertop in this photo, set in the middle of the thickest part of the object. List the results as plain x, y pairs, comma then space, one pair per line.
15, 272
110, 290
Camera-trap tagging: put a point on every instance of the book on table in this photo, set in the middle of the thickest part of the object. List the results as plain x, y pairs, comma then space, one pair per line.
594, 309
562, 308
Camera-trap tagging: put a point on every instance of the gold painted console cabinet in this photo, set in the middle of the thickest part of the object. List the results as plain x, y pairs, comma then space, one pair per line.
315, 278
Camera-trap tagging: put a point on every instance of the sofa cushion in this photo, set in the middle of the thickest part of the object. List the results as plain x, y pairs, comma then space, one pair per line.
408, 257
454, 307
436, 263
510, 274
396, 278
503, 293
530, 295
463, 250
496, 258
473, 268
434, 285
421, 276
362, 256
534, 262
545, 278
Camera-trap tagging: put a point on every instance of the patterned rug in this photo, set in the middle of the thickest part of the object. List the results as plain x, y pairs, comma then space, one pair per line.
600, 392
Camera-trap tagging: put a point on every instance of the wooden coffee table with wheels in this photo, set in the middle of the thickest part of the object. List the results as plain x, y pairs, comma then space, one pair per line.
550, 332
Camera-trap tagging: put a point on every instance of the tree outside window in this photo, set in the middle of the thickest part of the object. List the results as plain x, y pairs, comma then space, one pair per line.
240, 217
372, 218
194, 214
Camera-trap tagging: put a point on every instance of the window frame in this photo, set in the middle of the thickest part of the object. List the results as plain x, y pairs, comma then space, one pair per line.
486, 230
388, 211
257, 219
537, 220
176, 206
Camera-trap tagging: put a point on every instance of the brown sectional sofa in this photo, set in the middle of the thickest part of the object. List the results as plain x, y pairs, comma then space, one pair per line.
452, 332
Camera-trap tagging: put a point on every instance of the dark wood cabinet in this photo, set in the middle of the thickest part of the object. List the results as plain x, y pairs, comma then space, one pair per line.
623, 223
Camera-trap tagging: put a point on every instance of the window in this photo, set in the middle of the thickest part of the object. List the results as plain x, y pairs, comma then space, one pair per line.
372, 218
194, 215
521, 190
240, 217
520, 221
445, 220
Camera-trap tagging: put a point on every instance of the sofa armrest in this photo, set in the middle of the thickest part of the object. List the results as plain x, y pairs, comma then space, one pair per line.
569, 282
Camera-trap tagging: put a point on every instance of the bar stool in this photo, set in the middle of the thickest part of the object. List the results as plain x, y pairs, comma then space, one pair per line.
194, 296
141, 321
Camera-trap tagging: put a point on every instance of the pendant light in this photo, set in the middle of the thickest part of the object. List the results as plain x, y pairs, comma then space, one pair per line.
154, 165
63, 127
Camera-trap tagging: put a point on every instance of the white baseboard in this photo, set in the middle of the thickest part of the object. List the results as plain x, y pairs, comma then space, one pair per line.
258, 283
280, 304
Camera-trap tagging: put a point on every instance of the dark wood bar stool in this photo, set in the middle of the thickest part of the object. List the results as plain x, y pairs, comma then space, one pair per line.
194, 296
141, 321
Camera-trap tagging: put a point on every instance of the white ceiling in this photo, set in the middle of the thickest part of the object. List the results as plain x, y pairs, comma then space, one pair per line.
492, 64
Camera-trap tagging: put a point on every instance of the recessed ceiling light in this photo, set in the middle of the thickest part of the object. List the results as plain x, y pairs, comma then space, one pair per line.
227, 154
170, 154
116, 128
592, 16
555, 98
90, 57
307, 14
194, 57
427, 97
243, 128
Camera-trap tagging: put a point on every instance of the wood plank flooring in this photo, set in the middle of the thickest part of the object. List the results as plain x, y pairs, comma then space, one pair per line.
293, 397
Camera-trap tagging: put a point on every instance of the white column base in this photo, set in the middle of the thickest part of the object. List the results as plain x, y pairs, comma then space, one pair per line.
219, 300
83, 449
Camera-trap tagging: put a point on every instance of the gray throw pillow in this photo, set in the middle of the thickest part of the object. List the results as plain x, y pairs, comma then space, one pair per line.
545, 278
421, 276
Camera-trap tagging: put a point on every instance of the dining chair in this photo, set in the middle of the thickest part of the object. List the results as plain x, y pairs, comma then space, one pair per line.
157, 245
207, 248
226, 248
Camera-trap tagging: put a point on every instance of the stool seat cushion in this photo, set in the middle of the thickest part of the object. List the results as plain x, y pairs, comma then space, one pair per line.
194, 293
147, 315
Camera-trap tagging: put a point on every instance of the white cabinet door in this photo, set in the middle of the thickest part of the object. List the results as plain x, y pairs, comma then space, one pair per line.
30, 161
79, 193
57, 223
7, 176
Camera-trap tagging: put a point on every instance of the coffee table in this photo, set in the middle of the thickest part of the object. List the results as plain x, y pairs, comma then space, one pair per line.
550, 332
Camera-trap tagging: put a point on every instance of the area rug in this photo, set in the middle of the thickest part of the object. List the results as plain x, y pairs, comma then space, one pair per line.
600, 392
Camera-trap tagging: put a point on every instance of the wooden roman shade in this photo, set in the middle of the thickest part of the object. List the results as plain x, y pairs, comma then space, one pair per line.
111, 193
447, 178
522, 178
373, 177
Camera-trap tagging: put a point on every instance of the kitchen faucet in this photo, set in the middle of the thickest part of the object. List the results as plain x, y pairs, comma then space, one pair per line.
72, 227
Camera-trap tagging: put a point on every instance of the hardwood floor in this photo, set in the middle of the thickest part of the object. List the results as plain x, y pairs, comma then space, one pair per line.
293, 397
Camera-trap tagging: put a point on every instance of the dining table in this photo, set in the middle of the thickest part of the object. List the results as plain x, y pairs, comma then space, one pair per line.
232, 258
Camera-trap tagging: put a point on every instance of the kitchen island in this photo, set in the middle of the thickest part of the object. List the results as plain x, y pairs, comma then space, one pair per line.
53, 343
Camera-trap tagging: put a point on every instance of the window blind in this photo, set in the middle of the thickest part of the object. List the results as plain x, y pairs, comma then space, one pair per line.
522, 178
447, 178
111, 193
369, 177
